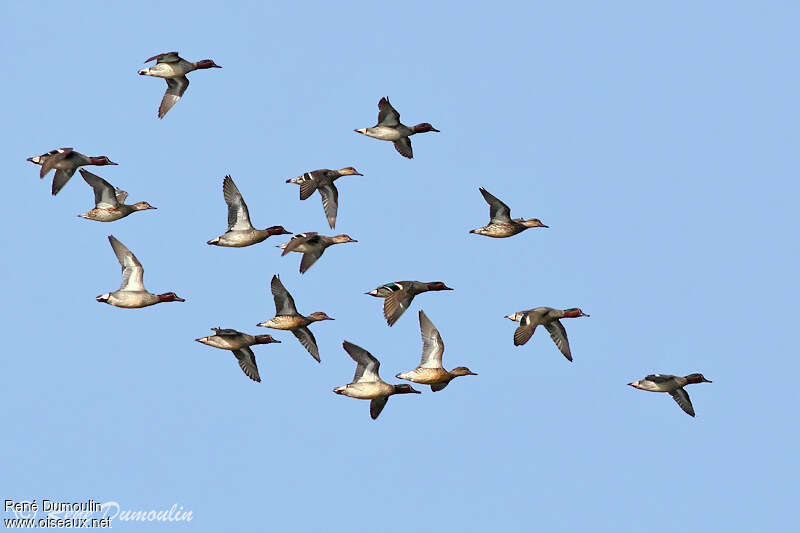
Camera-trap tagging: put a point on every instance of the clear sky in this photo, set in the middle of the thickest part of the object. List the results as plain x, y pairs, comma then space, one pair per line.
658, 142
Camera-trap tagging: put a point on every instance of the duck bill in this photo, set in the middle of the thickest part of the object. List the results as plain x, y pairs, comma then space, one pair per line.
707, 381
179, 299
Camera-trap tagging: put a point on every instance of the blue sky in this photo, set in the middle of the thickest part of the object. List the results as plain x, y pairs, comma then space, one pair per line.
658, 142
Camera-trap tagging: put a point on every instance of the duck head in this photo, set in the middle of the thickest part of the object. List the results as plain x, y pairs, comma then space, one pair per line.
207, 63
438, 286
102, 161
265, 339
319, 315
170, 297
698, 378
141, 206
278, 230
405, 389
462, 371
349, 171
423, 128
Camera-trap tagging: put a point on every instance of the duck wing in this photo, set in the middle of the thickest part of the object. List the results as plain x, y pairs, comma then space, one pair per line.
284, 303
367, 366
166, 57
376, 406
387, 115
105, 195
527, 325
432, 345
403, 147
498, 211
247, 362
330, 202
682, 398
309, 258
60, 179
396, 304
238, 214
49, 160
307, 339
175, 89
132, 271
559, 336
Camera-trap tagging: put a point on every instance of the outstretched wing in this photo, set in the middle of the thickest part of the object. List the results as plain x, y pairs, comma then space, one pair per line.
527, 325
166, 57
387, 115
132, 271
284, 303
105, 195
175, 89
367, 366
682, 397
330, 202
403, 147
247, 362
238, 215
432, 345
498, 211
307, 339
559, 336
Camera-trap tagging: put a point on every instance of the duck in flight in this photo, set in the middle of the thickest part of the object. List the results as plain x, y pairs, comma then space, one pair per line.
501, 224
240, 231
173, 68
549, 318
322, 180
132, 294
674, 385
389, 128
367, 383
430, 370
239, 343
287, 318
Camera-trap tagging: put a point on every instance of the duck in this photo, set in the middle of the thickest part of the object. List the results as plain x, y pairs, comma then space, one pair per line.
322, 180
501, 224
389, 128
287, 318
399, 295
173, 68
674, 385
312, 246
109, 201
132, 294
367, 383
549, 318
66, 161
430, 370
239, 343
240, 231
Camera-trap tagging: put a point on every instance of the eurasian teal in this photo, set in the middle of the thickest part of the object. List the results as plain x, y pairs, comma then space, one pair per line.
549, 318
322, 180
132, 294
109, 201
311, 245
173, 69
66, 161
501, 224
673, 385
240, 231
389, 128
287, 318
399, 294
430, 370
367, 384
239, 343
